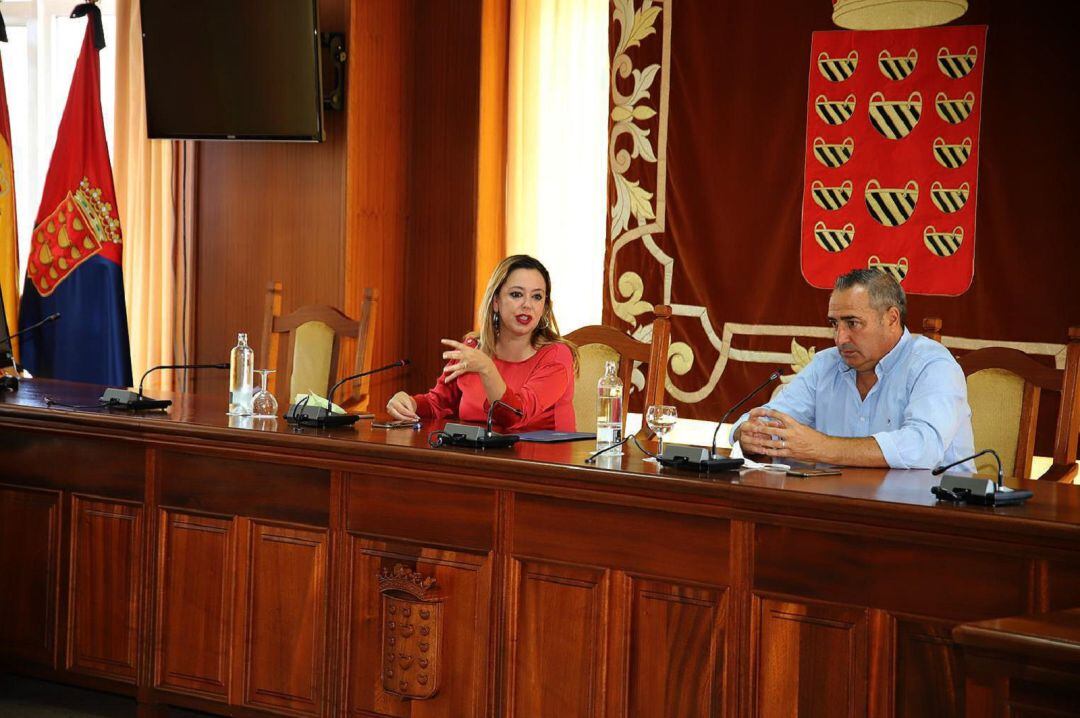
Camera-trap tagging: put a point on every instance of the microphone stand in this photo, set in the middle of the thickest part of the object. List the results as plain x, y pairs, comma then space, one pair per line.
705, 461
325, 418
135, 401
973, 490
477, 437
10, 382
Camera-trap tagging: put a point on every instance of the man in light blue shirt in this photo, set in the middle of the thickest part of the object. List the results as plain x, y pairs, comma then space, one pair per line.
881, 397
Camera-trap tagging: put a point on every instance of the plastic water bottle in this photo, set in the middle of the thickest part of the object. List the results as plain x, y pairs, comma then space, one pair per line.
609, 395
241, 377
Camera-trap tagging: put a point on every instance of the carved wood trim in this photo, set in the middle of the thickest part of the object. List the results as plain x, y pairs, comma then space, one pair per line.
411, 630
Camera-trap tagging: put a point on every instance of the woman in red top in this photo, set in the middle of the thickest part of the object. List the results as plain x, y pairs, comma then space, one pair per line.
518, 357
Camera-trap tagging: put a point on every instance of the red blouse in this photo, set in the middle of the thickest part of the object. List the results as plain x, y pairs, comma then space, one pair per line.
542, 387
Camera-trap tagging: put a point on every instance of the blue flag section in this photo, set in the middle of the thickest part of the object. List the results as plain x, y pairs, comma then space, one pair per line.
74, 263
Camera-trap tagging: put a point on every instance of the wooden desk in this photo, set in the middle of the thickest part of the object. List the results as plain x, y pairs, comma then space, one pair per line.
235, 570
1025, 665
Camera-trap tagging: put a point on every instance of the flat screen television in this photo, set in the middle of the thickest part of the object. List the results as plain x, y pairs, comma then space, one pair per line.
232, 70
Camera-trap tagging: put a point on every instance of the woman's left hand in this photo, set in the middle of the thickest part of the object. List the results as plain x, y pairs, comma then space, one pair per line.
465, 359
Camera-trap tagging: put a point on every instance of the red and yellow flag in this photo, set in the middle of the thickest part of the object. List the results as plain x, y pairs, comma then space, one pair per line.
9, 234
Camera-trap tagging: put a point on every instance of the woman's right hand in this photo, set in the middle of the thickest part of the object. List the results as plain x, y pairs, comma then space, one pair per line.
402, 407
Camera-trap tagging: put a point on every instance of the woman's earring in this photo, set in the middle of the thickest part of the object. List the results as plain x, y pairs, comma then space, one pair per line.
495, 320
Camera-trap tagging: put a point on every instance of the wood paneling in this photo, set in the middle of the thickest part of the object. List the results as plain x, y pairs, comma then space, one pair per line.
411, 197
929, 675
422, 512
464, 582
284, 618
693, 548
214, 484
29, 538
810, 660
195, 601
105, 583
887, 574
558, 621
441, 256
676, 651
34, 458
267, 211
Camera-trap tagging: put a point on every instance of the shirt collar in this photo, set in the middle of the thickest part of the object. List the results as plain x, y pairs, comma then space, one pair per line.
888, 361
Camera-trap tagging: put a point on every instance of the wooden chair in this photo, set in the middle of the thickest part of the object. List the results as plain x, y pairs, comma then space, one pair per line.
313, 337
1004, 386
597, 344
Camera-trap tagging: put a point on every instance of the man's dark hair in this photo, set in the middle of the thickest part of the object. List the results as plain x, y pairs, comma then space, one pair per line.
884, 290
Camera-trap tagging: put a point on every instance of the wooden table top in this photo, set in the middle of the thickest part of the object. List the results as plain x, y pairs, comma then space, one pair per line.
1052, 637
856, 495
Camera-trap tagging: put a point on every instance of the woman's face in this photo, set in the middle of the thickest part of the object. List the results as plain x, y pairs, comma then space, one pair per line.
521, 301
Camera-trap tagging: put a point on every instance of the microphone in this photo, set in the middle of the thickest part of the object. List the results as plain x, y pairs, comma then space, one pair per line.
135, 401
973, 490
10, 382
772, 377
1001, 473
700, 459
478, 437
301, 414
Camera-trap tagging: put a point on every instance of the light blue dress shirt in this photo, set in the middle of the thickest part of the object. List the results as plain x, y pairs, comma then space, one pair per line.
917, 411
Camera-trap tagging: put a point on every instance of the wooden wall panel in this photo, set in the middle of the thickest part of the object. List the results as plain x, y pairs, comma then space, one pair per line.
464, 583
195, 604
892, 575
929, 673
693, 548
676, 651
558, 640
29, 540
422, 512
267, 211
810, 660
105, 586
412, 187
284, 618
76, 463
213, 484
441, 257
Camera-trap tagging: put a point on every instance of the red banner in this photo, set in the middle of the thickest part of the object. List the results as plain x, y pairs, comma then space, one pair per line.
892, 155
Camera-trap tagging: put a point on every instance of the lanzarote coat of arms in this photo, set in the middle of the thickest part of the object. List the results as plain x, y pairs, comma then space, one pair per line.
411, 621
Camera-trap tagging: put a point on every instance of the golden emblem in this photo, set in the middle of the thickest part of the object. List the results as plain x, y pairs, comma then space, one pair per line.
891, 206
833, 156
898, 269
835, 112
834, 240
897, 67
838, 69
895, 119
957, 66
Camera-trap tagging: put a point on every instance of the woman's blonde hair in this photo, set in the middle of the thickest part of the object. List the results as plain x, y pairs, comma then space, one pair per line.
547, 330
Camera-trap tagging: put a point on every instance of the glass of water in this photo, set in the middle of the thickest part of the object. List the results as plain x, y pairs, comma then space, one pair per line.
661, 419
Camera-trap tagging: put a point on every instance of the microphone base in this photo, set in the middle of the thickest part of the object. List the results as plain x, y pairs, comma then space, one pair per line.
475, 437
695, 459
125, 400
320, 420
979, 491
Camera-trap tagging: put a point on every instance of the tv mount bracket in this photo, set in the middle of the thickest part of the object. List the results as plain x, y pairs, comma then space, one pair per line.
335, 43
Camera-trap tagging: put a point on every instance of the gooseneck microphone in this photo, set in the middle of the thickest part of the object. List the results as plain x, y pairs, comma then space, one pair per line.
135, 401
738, 405
1001, 473
10, 382
476, 437
301, 414
974, 490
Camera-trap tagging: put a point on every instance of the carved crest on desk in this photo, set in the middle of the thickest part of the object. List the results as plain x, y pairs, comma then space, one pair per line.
411, 623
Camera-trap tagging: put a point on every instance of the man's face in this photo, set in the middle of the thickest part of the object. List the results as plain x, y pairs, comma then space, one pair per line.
862, 334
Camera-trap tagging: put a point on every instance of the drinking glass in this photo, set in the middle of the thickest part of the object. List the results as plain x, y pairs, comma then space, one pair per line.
263, 404
661, 419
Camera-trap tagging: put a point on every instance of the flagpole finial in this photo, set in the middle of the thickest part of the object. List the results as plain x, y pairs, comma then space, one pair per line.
90, 8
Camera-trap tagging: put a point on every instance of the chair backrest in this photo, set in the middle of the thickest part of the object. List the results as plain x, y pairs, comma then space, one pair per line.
597, 344
1004, 387
315, 336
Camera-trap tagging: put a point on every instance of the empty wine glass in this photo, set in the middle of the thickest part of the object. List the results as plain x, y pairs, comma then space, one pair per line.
661, 419
263, 404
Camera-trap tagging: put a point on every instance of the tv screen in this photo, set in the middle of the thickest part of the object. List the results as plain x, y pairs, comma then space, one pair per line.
232, 69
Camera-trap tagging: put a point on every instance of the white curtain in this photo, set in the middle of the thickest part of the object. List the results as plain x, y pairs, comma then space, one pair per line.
556, 194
